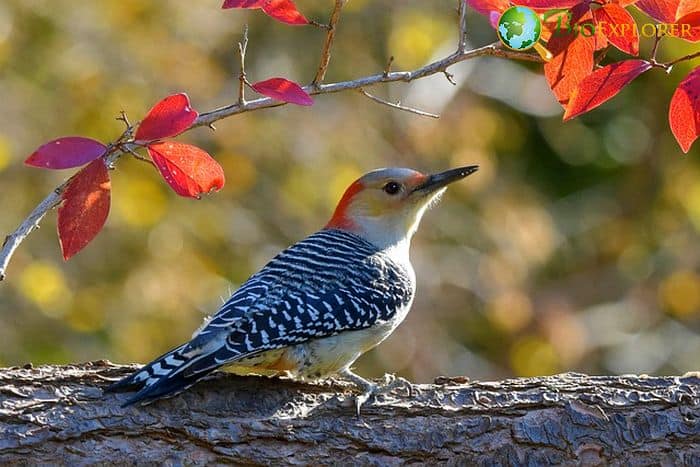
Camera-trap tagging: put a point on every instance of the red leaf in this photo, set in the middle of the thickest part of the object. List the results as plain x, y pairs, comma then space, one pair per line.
284, 11
663, 11
624, 3
169, 117
283, 90
63, 153
572, 55
85, 207
685, 7
487, 7
242, 4
602, 85
189, 170
618, 26
546, 4
689, 27
684, 111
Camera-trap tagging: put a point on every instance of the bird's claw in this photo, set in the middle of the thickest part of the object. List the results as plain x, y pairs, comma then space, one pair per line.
392, 382
360, 399
389, 383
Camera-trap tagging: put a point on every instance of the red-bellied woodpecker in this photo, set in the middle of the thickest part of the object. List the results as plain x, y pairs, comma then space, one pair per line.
319, 304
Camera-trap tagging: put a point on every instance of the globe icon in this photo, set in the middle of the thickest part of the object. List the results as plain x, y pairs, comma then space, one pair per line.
519, 28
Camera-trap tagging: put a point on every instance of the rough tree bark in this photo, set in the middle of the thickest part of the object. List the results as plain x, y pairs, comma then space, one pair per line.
58, 414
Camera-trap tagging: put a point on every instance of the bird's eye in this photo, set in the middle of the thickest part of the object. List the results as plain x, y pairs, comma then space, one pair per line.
392, 188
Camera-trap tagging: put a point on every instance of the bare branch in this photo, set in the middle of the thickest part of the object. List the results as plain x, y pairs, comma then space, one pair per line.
657, 41
330, 36
242, 80
462, 9
139, 157
13, 240
387, 68
208, 118
667, 66
398, 105
683, 59
494, 50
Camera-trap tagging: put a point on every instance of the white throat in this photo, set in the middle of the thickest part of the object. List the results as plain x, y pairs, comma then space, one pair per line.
394, 232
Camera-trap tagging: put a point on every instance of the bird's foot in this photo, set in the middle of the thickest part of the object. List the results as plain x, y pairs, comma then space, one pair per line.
371, 390
391, 382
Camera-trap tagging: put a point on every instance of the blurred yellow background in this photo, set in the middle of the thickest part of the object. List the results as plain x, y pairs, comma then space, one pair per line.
575, 247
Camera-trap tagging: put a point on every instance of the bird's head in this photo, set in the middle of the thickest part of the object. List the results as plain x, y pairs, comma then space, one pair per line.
385, 206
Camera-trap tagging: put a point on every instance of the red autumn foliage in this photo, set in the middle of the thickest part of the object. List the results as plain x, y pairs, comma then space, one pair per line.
572, 61
663, 11
686, 7
492, 9
684, 111
85, 207
169, 117
242, 4
689, 27
603, 84
284, 11
618, 26
624, 3
283, 90
189, 170
67, 152
547, 4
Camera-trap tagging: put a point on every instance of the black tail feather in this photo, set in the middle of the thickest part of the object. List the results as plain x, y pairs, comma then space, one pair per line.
164, 387
167, 376
138, 379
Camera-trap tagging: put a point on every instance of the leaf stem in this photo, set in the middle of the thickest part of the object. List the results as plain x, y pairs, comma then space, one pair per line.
242, 81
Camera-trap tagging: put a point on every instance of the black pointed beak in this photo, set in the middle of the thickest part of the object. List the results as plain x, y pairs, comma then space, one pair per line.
440, 180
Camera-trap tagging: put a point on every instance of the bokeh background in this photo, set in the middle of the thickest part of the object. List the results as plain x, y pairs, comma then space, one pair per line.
575, 247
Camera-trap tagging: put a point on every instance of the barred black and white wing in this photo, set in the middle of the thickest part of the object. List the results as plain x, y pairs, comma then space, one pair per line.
329, 283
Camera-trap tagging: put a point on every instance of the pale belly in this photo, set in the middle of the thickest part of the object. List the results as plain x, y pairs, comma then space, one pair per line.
319, 358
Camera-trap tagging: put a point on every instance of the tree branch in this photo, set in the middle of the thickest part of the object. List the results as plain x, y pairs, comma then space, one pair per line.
495, 49
330, 36
242, 80
439, 66
462, 10
398, 105
682, 59
59, 415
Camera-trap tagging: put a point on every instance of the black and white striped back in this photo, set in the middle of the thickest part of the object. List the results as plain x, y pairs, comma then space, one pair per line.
332, 281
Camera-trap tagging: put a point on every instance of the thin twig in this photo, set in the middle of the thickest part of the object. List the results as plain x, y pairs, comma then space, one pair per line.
13, 240
242, 80
328, 44
124, 118
462, 9
139, 157
208, 118
398, 105
682, 59
495, 49
387, 68
655, 48
668, 66
601, 56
